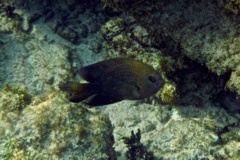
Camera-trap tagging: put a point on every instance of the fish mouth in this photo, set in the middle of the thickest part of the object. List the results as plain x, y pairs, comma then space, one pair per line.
157, 87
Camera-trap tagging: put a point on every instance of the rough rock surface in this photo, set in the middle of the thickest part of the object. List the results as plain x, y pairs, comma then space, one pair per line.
204, 31
49, 127
43, 43
231, 5
176, 132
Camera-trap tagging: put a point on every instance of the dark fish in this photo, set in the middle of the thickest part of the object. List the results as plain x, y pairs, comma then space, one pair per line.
114, 80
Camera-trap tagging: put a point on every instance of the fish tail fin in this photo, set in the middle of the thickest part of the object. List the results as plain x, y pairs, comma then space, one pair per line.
78, 91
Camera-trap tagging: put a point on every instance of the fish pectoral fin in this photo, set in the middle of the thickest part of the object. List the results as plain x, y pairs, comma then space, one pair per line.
99, 100
73, 87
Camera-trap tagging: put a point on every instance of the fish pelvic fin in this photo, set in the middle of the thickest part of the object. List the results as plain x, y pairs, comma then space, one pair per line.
78, 91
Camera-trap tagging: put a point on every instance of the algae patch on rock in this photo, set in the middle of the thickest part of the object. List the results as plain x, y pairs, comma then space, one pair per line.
52, 128
203, 30
231, 5
14, 99
177, 132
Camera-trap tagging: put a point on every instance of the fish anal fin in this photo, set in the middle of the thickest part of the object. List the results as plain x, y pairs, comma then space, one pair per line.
79, 96
78, 91
99, 100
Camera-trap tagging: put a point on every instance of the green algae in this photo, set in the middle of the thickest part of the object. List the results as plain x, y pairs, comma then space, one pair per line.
14, 98
12, 23
49, 127
212, 42
231, 5
44, 127
232, 134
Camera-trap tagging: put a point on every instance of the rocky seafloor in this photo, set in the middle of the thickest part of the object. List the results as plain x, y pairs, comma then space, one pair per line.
194, 44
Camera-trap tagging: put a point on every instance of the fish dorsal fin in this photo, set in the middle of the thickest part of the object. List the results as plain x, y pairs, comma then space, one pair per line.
93, 73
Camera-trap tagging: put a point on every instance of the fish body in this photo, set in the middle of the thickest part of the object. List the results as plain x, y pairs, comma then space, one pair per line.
114, 80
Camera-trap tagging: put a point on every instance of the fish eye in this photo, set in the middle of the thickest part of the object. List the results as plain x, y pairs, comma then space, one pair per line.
152, 79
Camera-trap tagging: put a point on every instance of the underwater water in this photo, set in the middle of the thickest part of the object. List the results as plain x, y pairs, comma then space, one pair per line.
192, 48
